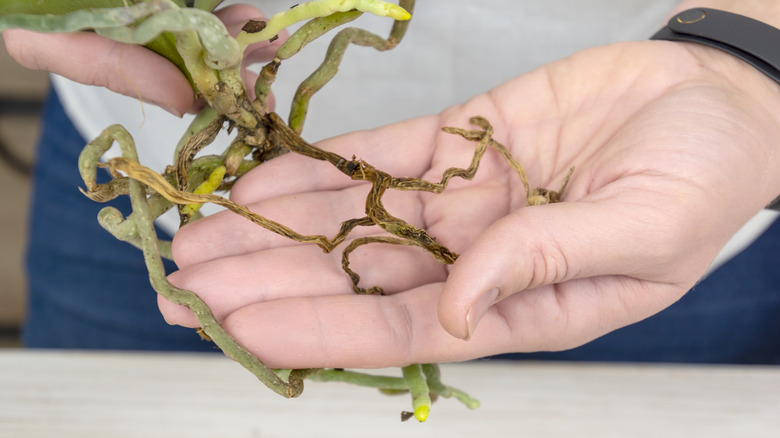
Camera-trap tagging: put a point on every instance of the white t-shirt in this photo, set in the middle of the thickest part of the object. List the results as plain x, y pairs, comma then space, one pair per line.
433, 63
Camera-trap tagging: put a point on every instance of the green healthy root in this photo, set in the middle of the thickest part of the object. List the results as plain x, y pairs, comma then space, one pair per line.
335, 54
418, 387
146, 234
321, 8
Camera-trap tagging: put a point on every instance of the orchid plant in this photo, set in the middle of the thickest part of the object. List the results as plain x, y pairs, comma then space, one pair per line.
189, 35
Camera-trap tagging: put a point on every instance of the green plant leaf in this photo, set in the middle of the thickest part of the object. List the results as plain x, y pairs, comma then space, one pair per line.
56, 7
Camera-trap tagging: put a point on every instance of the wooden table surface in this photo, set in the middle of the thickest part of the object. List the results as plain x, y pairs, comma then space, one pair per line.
109, 394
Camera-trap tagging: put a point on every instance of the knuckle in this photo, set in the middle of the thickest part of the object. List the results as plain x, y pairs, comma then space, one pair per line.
548, 265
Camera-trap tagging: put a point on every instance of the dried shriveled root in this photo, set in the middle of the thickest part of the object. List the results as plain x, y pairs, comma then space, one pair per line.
401, 232
537, 196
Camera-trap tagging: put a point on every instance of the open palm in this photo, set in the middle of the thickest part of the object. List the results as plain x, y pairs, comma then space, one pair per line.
671, 159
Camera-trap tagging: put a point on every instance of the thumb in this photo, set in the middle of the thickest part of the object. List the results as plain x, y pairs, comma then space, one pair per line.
554, 243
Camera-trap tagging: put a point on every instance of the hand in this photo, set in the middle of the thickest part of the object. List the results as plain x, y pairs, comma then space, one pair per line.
674, 147
125, 68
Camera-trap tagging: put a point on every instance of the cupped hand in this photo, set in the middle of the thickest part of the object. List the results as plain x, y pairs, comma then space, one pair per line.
671, 159
128, 69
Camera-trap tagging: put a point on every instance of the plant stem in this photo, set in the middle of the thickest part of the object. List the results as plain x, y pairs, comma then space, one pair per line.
329, 67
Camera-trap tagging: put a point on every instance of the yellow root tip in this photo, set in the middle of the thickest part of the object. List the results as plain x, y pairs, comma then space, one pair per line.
398, 13
421, 413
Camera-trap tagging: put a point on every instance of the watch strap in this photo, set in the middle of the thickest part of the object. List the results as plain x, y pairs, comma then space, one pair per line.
752, 41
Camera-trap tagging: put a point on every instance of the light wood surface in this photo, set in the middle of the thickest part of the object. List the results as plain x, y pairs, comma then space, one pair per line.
100, 394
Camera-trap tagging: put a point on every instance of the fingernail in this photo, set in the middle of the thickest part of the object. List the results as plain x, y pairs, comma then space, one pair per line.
170, 109
478, 309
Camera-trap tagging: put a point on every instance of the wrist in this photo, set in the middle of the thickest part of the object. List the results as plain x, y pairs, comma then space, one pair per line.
734, 42
755, 94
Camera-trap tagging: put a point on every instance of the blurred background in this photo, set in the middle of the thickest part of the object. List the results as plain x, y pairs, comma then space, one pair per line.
21, 95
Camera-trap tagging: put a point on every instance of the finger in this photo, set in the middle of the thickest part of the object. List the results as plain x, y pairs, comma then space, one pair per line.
235, 17
254, 277
355, 331
352, 331
275, 274
93, 60
554, 243
402, 149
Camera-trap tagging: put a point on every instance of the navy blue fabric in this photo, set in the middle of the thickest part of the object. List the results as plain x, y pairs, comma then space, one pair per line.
88, 290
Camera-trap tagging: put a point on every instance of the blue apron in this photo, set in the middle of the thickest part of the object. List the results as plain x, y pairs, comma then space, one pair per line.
86, 289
